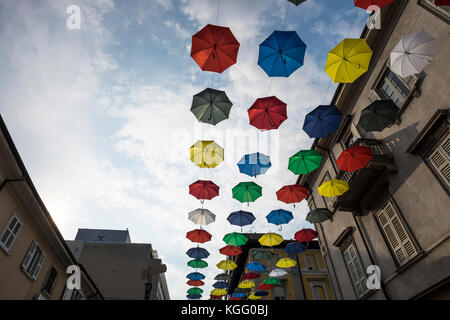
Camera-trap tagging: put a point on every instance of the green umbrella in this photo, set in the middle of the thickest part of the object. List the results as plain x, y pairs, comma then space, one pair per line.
262, 255
378, 116
319, 215
211, 106
296, 2
195, 290
197, 263
235, 239
247, 192
272, 281
305, 161
222, 277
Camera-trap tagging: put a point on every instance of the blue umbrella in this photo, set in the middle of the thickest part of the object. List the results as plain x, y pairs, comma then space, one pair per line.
261, 293
239, 295
255, 266
294, 248
254, 164
241, 218
197, 253
322, 121
195, 276
194, 296
279, 217
281, 54
221, 285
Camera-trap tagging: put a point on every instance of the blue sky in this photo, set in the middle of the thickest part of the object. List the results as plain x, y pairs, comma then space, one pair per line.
101, 115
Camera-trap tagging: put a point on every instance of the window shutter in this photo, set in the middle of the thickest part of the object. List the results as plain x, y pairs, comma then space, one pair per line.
29, 255
38, 267
373, 96
440, 160
356, 270
10, 232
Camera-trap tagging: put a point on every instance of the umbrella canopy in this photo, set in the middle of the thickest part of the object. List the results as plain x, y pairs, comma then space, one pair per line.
204, 189
246, 284
296, 2
378, 115
239, 295
322, 121
206, 154
222, 277
221, 285
286, 263
281, 53
242, 290
280, 216
219, 292
194, 296
254, 164
202, 216
214, 48
306, 235
199, 235
271, 281
277, 273
267, 113
195, 276
294, 248
264, 286
197, 253
305, 161
197, 263
261, 293
236, 298
195, 283
211, 106
241, 218
250, 276
319, 215
367, 3
270, 239
262, 255
292, 194
230, 251
247, 192
195, 291
348, 60
226, 265
354, 158
253, 297
214, 297
235, 239
255, 266
333, 188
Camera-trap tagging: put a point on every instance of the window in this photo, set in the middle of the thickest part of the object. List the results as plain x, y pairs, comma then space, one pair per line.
442, 12
395, 233
10, 232
318, 290
279, 292
50, 281
349, 140
393, 87
32, 263
439, 161
355, 267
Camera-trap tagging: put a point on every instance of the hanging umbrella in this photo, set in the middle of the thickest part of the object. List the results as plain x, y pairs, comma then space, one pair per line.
250, 276
197, 253
219, 292
206, 154
277, 273
195, 283
441, 3
281, 53
322, 121
214, 297
348, 60
292, 194
226, 265
242, 290
378, 115
241, 218
262, 255
267, 113
221, 285
271, 281
197, 263
202, 217
354, 158
230, 251
199, 235
319, 215
367, 3
246, 284
286, 263
222, 277
294, 248
255, 266
306, 235
253, 297
264, 286
333, 188
247, 192
261, 293
195, 291
305, 161
239, 295
194, 296
279, 217
296, 2
195, 276
270, 239
204, 190
211, 106
254, 164
214, 48
235, 239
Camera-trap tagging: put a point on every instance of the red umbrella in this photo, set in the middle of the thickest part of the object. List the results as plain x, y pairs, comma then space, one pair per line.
199, 235
250, 276
215, 297
292, 194
442, 2
236, 298
367, 3
264, 286
202, 189
306, 235
195, 283
214, 48
355, 158
267, 113
230, 250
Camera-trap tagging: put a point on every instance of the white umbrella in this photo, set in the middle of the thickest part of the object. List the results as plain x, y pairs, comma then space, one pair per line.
202, 216
412, 54
277, 273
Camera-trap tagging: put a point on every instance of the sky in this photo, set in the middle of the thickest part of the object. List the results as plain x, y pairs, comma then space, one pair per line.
100, 115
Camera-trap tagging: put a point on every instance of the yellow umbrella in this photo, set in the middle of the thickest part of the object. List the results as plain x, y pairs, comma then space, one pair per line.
226, 265
286, 263
348, 60
333, 188
253, 297
246, 284
270, 239
206, 154
219, 292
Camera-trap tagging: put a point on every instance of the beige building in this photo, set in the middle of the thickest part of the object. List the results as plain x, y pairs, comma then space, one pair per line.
397, 212
33, 254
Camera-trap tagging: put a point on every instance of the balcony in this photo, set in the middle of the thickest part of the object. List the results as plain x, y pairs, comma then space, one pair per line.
367, 185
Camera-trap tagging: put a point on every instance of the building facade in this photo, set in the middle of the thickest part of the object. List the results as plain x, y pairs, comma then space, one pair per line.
396, 213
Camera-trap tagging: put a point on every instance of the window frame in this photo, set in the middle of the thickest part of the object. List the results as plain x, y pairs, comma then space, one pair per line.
432, 167
36, 262
53, 281
435, 10
6, 228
